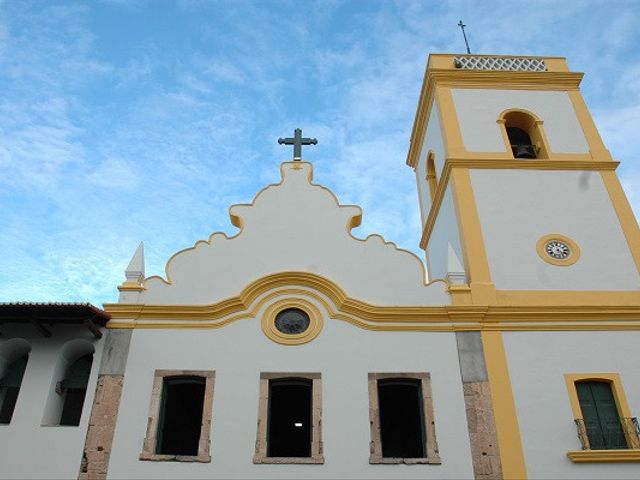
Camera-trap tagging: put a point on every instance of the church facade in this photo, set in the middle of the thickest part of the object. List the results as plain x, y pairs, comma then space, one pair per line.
294, 349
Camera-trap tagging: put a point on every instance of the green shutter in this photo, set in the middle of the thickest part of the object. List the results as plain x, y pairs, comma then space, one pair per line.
600, 415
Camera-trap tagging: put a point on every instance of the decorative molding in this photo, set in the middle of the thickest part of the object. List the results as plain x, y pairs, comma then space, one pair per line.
610, 314
593, 456
312, 331
131, 287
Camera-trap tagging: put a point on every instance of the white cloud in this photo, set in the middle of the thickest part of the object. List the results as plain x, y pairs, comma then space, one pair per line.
114, 173
104, 145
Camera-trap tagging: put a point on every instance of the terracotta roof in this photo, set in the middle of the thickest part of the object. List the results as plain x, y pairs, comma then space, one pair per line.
40, 314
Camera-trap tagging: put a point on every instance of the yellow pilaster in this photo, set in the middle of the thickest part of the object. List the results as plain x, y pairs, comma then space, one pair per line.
625, 214
508, 430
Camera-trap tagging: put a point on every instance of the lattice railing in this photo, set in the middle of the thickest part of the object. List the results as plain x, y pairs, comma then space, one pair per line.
630, 430
470, 62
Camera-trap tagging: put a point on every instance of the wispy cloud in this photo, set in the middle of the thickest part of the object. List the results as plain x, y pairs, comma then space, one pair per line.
123, 121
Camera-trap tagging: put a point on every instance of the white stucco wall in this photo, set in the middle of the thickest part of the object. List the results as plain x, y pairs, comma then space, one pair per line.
517, 207
432, 141
478, 110
537, 363
343, 354
30, 450
445, 233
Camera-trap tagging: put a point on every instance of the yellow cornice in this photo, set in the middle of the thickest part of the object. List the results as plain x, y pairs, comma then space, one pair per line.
506, 79
462, 78
492, 161
131, 287
374, 317
559, 298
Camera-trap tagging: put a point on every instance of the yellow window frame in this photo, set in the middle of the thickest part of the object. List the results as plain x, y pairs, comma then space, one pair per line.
631, 454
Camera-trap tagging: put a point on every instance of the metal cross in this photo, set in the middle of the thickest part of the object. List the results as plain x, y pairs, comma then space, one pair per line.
297, 141
462, 25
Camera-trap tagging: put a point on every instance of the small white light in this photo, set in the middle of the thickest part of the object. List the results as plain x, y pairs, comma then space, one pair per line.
297, 425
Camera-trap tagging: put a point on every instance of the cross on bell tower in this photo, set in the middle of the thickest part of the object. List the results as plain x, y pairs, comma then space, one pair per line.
297, 141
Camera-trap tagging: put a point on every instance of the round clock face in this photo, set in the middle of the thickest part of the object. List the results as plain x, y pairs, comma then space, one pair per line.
557, 249
292, 321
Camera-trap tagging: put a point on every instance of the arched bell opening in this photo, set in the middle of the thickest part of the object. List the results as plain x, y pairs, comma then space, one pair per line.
523, 134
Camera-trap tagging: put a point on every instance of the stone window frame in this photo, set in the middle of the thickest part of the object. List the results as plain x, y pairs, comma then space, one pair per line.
150, 440
375, 447
316, 419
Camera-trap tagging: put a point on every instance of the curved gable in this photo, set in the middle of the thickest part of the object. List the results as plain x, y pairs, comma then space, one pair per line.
294, 225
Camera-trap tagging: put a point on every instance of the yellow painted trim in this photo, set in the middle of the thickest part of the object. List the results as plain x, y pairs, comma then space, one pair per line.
131, 287
616, 387
574, 250
530, 123
421, 193
506, 79
472, 240
560, 298
441, 190
449, 124
531, 164
594, 140
618, 394
269, 318
625, 214
507, 427
593, 456
459, 316
474, 162
423, 111
432, 176
460, 294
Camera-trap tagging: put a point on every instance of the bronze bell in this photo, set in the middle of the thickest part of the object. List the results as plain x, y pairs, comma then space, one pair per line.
524, 151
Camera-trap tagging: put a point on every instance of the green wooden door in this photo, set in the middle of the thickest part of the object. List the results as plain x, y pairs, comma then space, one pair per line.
600, 415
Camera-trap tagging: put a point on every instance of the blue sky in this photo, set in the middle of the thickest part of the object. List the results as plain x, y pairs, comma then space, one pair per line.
123, 122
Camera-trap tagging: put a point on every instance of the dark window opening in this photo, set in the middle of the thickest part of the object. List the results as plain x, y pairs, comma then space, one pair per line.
10, 387
401, 418
180, 421
600, 413
74, 389
289, 424
521, 144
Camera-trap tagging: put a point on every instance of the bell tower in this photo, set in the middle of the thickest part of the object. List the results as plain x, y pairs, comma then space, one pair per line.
519, 198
